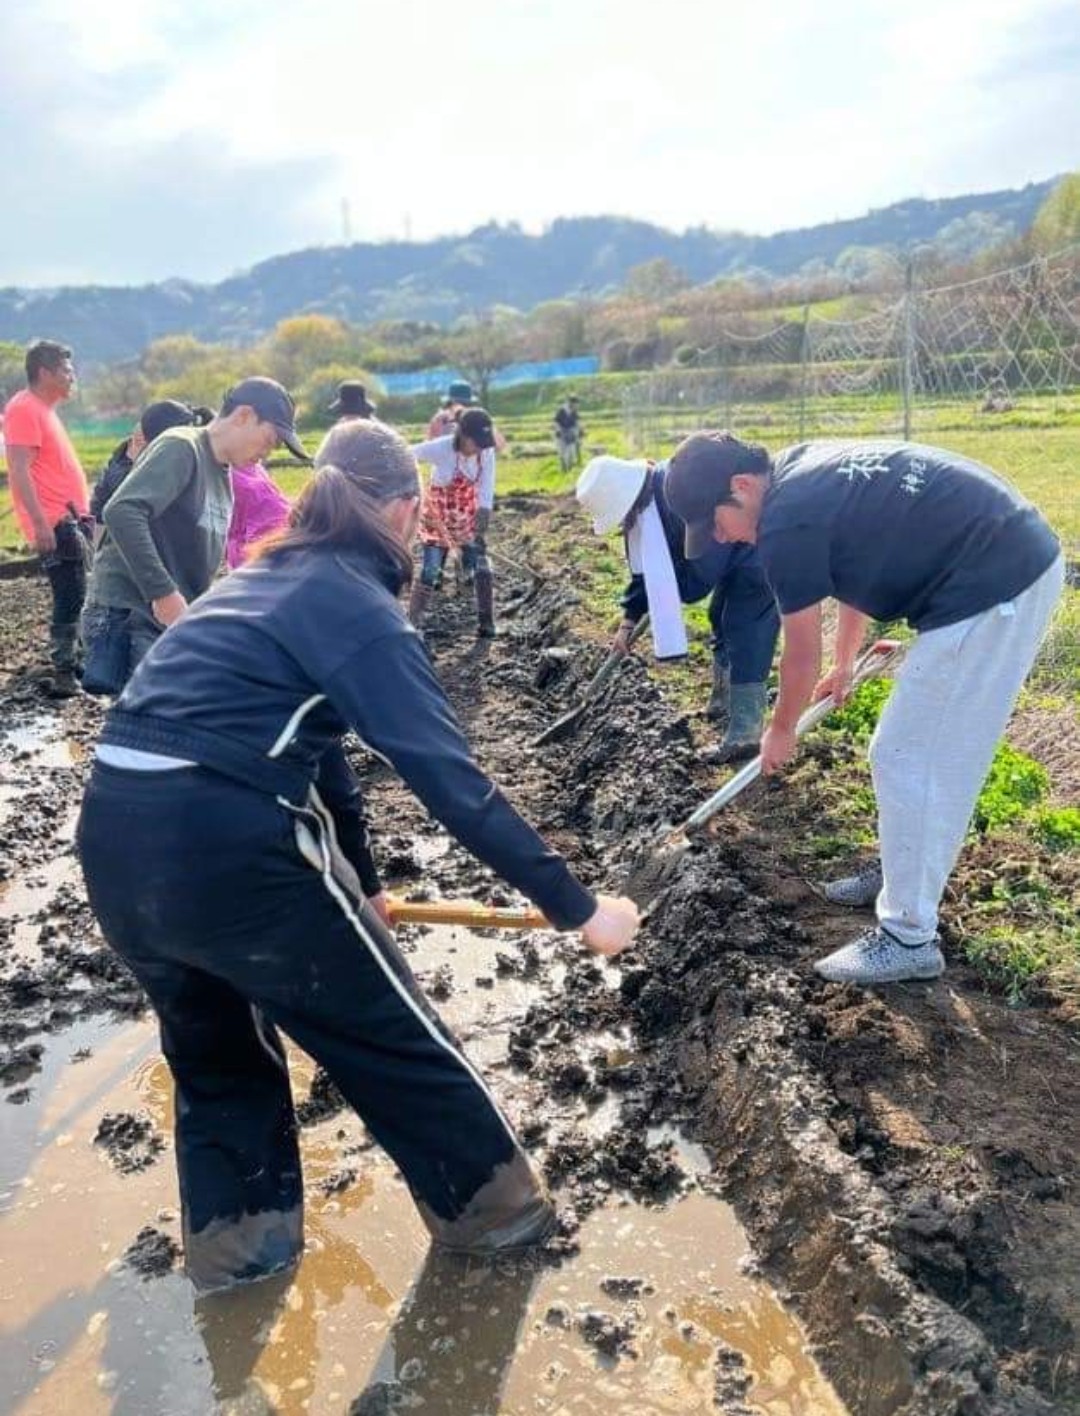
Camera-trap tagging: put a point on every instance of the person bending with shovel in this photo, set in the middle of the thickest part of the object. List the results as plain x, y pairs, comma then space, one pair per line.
893, 531
246, 900
742, 611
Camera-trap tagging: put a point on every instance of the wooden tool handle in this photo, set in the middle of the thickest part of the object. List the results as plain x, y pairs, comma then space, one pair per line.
463, 912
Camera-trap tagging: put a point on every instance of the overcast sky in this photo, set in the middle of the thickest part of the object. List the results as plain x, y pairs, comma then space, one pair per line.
150, 138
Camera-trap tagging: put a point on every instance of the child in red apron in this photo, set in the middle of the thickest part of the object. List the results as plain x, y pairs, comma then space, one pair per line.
456, 512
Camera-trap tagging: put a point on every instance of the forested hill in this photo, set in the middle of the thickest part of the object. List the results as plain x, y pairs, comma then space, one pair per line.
441, 279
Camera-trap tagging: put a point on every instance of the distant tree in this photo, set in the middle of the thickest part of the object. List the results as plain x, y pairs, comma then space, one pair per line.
1057, 222
557, 329
867, 265
484, 345
654, 280
965, 236
122, 389
172, 356
298, 346
207, 380
12, 369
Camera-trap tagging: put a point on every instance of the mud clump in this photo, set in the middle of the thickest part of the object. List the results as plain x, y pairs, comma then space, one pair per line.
731, 1382
441, 986
339, 1180
129, 1140
20, 1063
152, 1254
624, 1289
322, 1101
611, 1337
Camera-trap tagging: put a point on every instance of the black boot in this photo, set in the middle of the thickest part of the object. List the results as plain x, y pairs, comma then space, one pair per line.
485, 604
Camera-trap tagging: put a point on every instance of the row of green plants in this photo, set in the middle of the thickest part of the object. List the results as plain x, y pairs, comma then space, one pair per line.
1014, 901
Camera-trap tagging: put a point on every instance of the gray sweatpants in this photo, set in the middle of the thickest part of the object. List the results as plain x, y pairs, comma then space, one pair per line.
936, 739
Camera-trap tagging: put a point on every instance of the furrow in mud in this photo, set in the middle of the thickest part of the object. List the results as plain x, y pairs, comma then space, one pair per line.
906, 1179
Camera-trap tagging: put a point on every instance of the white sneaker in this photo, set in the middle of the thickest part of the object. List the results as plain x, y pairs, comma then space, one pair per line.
878, 957
855, 891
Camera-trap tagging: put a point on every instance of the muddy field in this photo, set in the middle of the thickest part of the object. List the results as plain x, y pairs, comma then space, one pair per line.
903, 1164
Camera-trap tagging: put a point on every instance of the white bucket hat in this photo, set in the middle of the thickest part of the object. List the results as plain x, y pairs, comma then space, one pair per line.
607, 488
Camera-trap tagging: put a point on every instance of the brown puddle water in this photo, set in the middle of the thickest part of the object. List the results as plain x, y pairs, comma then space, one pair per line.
82, 1331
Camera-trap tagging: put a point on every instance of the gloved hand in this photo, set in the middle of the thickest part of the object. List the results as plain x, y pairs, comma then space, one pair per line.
483, 521
612, 926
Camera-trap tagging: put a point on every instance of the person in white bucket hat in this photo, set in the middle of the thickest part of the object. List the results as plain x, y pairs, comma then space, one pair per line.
630, 495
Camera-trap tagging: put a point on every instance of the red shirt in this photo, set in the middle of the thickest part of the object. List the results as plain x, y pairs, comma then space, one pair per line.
55, 470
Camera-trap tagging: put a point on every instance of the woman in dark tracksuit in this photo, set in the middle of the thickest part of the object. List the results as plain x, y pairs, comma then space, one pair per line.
246, 899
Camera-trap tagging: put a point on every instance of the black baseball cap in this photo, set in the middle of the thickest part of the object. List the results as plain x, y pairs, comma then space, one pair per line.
270, 402
167, 413
698, 480
476, 425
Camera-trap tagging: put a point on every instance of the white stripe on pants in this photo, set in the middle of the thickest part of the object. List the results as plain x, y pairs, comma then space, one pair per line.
936, 739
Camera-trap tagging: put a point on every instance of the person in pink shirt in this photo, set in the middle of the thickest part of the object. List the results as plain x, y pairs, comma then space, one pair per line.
259, 507
51, 499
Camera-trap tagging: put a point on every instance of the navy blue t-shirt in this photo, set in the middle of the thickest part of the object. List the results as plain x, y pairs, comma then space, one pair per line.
899, 531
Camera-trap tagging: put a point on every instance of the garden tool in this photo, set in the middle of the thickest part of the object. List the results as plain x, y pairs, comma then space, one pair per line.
561, 726
466, 912
879, 658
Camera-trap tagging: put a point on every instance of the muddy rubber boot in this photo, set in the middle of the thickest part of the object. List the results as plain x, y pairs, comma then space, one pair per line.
485, 604
63, 681
419, 603
510, 1213
719, 704
743, 737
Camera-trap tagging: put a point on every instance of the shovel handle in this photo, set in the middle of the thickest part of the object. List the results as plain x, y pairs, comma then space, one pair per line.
879, 657
591, 690
463, 912
612, 662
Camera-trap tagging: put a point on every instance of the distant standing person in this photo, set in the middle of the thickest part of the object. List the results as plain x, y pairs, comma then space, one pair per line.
459, 396
166, 527
456, 511
51, 499
442, 420
892, 531
568, 433
352, 401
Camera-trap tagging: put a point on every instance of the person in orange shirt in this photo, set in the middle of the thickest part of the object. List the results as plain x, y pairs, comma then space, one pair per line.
51, 498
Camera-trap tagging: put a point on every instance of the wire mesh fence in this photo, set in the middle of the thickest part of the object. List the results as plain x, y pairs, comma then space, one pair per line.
926, 362
987, 341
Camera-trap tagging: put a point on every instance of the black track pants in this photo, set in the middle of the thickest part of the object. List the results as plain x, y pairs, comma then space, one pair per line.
228, 907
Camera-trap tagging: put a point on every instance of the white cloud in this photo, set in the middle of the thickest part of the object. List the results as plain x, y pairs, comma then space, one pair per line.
742, 114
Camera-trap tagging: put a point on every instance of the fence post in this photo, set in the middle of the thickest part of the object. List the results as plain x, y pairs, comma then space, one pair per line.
804, 369
907, 369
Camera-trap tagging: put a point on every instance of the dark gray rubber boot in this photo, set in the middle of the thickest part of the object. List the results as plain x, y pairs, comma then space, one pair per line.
485, 604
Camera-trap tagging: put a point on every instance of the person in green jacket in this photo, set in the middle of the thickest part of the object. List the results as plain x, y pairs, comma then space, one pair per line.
166, 527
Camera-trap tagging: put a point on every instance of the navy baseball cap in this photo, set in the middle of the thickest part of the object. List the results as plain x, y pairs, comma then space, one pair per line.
698, 480
272, 404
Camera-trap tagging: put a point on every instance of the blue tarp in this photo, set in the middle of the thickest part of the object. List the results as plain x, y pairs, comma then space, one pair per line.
435, 381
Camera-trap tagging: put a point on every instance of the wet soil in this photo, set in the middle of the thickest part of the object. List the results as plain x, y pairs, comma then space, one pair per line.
905, 1163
